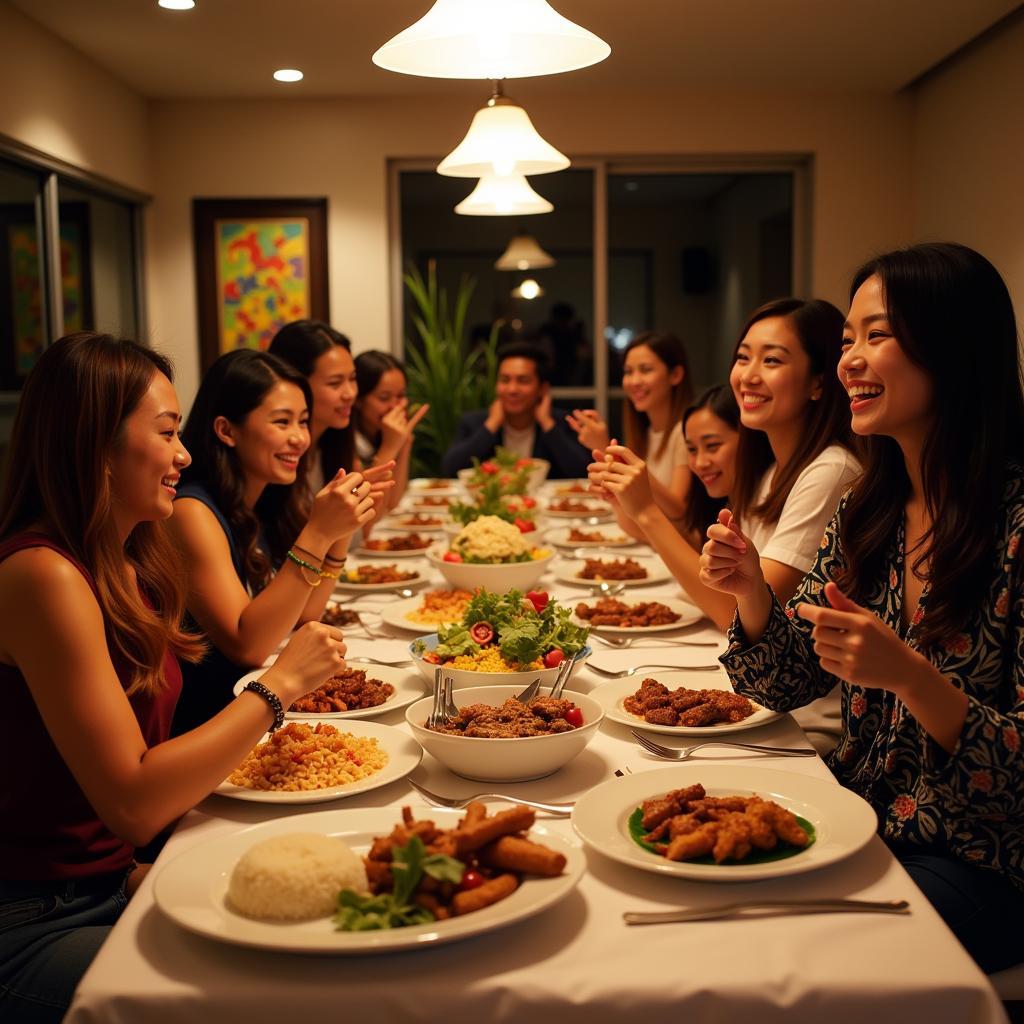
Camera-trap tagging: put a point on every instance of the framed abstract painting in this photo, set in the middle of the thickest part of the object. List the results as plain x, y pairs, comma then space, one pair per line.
260, 263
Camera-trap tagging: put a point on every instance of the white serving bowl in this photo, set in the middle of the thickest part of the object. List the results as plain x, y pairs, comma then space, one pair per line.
463, 678
495, 579
535, 477
514, 760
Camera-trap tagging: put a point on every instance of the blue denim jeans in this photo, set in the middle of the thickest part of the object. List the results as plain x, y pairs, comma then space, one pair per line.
49, 934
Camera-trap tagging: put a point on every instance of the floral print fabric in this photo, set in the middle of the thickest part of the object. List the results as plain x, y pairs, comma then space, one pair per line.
970, 803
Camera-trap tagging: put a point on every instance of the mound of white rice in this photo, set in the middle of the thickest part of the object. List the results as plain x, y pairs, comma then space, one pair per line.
295, 877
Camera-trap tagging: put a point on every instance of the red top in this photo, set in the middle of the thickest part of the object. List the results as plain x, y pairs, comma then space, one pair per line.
49, 829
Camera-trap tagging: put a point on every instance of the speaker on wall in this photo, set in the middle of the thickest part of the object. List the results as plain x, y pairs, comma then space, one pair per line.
698, 270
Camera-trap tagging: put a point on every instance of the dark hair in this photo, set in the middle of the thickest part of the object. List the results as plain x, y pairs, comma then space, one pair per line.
819, 326
235, 385
300, 344
527, 350
670, 349
953, 317
69, 422
701, 509
370, 367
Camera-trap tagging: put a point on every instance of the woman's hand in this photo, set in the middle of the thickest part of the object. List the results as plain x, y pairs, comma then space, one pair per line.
854, 644
729, 561
591, 430
625, 478
314, 653
397, 428
343, 505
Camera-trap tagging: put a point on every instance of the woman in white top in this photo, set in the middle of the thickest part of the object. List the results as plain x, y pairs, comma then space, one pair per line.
656, 379
793, 463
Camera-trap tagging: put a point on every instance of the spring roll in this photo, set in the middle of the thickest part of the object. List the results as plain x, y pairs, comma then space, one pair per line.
512, 853
483, 896
472, 837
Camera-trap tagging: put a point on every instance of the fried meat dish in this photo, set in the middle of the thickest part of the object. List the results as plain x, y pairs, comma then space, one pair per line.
432, 501
543, 716
611, 612
381, 574
571, 505
404, 542
420, 519
578, 536
657, 704
618, 569
687, 823
335, 615
350, 690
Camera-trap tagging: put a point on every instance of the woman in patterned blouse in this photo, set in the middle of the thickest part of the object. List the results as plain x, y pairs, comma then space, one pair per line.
929, 644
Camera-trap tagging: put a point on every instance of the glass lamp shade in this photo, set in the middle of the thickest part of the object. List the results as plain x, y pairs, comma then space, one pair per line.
523, 253
502, 140
503, 196
491, 39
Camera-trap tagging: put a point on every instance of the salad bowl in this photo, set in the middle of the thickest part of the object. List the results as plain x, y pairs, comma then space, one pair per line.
496, 578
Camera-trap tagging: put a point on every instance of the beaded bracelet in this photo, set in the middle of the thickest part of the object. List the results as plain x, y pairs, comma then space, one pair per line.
303, 566
271, 698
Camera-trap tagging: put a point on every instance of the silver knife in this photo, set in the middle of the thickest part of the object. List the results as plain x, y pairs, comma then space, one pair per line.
772, 908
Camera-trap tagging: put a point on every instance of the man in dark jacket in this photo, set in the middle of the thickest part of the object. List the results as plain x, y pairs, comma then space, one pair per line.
521, 418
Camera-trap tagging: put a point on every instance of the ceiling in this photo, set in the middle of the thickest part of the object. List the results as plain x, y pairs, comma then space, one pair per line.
229, 48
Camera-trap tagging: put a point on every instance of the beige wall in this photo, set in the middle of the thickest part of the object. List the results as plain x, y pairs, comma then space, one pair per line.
58, 101
340, 149
969, 155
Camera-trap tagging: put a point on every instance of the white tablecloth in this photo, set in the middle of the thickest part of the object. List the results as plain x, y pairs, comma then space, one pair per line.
577, 961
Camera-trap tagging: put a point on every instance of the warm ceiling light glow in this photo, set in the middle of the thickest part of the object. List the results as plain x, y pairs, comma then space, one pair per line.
508, 196
523, 253
502, 140
528, 289
176, 5
288, 75
491, 39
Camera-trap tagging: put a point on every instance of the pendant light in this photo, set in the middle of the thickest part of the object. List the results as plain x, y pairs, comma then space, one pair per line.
524, 253
501, 140
503, 196
528, 289
491, 39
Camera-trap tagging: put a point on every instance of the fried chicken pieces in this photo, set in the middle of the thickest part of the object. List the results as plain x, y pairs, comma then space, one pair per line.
687, 823
657, 704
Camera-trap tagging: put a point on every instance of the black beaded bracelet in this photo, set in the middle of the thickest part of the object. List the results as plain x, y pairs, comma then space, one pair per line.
272, 699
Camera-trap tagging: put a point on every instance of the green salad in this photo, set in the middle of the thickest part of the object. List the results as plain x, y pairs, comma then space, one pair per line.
524, 630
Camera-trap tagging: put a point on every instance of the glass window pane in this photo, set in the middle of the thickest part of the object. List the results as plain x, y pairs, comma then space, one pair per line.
560, 315
695, 254
98, 262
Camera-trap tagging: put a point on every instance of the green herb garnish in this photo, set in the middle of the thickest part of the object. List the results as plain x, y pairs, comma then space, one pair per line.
358, 912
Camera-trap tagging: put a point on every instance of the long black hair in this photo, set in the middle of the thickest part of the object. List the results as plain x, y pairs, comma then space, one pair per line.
370, 367
701, 509
300, 344
819, 326
669, 348
235, 385
952, 315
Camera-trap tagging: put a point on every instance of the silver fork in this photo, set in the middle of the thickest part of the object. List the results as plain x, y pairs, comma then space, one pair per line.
678, 754
628, 641
443, 710
383, 661
643, 668
559, 810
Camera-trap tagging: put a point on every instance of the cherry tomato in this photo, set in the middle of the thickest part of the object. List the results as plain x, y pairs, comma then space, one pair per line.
451, 556
471, 880
482, 632
489, 467
524, 525
520, 463
434, 659
539, 599
574, 716
554, 658
528, 502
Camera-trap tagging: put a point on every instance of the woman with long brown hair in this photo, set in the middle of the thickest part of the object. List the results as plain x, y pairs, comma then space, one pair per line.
793, 463
89, 647
256, 553
915, 603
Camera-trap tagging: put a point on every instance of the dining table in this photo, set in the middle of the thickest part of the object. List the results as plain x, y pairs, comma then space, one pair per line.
577, 961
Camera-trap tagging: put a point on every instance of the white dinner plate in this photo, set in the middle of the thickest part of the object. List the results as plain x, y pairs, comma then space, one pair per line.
408, 684
557, 489
610, 695
192, 889
431, 536
418, 502
616, 538
403, 752
688, 614
396, 614
843, 822
396, 521
593, 510
567, 570
368, 588
424, 485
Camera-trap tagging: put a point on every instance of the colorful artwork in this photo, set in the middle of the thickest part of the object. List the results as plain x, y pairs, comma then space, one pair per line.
27, 293
263, 278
